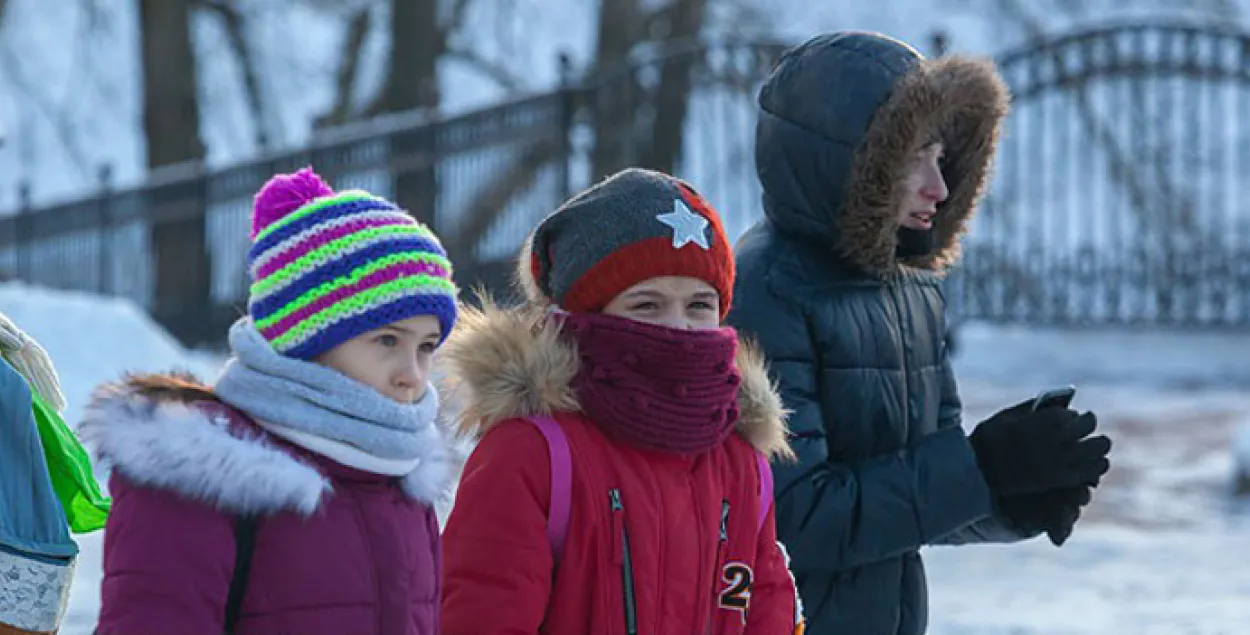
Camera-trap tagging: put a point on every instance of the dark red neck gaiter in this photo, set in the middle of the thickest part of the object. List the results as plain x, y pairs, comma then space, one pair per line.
653, 386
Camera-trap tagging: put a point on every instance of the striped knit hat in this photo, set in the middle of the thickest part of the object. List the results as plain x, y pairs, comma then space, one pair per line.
634, 225
327, 267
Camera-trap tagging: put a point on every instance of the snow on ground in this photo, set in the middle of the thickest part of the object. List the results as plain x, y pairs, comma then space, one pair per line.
1010, 355
93, 339
1158, 553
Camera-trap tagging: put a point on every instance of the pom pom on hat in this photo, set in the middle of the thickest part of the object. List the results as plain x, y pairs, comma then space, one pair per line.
284, 194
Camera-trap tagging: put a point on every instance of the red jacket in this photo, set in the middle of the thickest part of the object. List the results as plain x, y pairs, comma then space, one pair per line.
685, 529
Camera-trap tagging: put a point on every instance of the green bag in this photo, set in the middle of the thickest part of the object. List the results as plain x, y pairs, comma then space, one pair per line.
69, 466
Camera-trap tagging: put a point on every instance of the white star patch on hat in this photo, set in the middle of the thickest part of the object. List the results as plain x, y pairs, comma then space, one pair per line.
688, 227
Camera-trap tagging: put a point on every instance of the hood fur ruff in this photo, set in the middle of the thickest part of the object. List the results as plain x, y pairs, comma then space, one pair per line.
965, 100
509, 363
156, 431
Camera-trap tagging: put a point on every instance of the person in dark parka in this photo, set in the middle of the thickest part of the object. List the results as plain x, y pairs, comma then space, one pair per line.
871, 160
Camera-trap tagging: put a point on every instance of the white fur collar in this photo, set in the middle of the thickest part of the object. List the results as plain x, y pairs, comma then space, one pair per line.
174, 446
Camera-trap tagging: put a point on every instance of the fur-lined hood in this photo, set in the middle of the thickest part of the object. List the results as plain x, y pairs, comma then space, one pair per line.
506, 363
156, 431
841, 116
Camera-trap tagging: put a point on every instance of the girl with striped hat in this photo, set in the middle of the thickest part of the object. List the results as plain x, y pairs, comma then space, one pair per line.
296, 494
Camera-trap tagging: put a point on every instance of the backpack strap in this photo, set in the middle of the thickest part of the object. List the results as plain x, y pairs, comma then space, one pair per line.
244, 545
766, 488
561, 481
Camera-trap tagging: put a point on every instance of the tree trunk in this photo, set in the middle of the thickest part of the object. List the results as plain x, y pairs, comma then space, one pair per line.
672, 99
635, 125
171, 108
417, 41
171, 126
615, 104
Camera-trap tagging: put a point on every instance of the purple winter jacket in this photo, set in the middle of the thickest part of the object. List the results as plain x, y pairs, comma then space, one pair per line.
338, 551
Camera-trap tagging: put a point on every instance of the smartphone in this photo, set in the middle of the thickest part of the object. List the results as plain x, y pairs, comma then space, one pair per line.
1054, 397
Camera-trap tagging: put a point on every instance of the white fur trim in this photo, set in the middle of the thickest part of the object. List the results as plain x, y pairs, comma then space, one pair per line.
433, 480
33, 594
176, 447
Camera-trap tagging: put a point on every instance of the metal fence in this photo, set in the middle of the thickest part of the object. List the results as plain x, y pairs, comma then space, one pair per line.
176, 245
1116, 200
1119, 197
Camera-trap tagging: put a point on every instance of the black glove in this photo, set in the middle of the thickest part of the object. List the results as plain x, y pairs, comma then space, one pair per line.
1054, 512
1022, 452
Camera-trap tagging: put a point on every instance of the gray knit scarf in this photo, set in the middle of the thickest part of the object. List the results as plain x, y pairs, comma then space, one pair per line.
319, 401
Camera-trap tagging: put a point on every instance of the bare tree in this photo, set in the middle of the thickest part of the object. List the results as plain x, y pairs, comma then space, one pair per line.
621, 26
680, 22
235, 25
171, 108
634, 121
358, 26
637, 122
420, 35
171, 126
418, 39
37, 96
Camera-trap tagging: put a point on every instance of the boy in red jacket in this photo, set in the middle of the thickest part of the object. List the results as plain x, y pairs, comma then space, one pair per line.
621, 482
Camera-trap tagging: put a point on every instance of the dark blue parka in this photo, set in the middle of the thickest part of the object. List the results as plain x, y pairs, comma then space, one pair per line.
853, 336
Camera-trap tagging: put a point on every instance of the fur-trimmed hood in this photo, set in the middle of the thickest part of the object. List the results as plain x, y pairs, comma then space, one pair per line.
840, 117
171, 432
505, 363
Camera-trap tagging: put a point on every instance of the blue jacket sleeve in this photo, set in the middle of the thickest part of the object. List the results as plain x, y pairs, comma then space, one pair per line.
833, 515
994, 528
31, 518
36, 552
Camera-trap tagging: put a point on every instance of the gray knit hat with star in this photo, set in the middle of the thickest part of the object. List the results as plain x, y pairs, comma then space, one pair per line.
635, 225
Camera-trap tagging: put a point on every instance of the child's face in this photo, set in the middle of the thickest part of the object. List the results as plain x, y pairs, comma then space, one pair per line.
926, 189
672, 301
394, 360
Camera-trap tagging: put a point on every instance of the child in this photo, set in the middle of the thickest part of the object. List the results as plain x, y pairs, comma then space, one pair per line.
871, 160
620, 483
46, 489
296, 495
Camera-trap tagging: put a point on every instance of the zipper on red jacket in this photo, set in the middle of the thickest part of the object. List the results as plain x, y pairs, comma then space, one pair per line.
718, 563
626, 561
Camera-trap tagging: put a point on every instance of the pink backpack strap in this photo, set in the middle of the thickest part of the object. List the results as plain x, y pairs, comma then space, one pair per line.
561, 481
766, 488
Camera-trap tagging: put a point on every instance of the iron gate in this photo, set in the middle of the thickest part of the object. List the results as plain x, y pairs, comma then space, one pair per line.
1118, 198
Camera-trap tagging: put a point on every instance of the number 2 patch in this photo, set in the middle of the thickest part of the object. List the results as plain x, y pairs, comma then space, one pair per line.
737, 594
